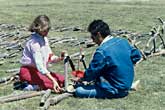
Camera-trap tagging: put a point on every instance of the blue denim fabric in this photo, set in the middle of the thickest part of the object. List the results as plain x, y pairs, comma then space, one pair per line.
94, 91
114, 60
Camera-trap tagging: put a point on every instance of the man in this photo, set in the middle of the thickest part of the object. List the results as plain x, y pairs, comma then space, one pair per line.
112, 66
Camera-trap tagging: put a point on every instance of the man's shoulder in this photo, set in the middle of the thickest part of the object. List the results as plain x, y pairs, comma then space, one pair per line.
115, 42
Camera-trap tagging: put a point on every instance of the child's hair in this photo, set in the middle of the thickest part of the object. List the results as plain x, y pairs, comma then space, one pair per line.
40, 23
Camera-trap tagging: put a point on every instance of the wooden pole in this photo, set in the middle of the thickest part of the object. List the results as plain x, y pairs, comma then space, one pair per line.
56, 99
161, 38
11, 98
80, 55
83, 61
143, 55
156, 33
8, 78
161, 52
45, 97
66, 72
71, 64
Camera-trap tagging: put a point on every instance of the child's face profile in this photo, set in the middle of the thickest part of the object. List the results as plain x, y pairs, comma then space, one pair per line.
44, 33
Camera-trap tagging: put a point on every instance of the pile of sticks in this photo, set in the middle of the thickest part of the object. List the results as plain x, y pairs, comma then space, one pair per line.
155, 44
156, 41
13, 39
46, 100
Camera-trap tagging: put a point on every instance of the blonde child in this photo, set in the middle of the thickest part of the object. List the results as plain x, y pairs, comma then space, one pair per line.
36, 55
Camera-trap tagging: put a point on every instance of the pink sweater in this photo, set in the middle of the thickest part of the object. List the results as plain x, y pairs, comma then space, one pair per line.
36, 53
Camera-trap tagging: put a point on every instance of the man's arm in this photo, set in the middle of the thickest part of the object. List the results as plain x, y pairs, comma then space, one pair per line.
135, 55
96, 67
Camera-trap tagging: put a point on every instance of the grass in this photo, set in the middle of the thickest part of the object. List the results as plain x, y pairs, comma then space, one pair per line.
132, 15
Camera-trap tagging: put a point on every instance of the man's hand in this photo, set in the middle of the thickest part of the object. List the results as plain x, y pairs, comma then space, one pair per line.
78, 73
76, 79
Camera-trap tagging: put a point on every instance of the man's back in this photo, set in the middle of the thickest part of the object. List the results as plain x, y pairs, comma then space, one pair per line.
119, 69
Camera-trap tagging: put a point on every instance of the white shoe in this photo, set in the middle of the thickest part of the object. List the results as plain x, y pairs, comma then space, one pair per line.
135, 85
71, 88
31, 87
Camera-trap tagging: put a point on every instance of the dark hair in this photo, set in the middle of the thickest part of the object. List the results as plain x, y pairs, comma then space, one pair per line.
99, 26
40, 23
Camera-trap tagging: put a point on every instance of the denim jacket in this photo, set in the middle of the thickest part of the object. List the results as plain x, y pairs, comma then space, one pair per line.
112, 66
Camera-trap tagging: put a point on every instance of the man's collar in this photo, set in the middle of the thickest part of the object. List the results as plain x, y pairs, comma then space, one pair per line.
106, 39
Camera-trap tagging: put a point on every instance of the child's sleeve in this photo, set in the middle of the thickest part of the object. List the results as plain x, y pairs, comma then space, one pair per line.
39, 63
37, 56
49, 50
52, 58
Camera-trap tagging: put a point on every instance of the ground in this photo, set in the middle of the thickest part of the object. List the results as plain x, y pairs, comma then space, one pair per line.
137, 16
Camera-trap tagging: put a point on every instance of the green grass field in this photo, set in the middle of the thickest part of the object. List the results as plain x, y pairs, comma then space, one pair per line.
132, 15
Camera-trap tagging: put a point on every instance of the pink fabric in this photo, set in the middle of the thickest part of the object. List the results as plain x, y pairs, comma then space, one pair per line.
33, 76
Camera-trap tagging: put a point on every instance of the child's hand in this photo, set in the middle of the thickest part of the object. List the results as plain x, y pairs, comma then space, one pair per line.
56, 87
63, 54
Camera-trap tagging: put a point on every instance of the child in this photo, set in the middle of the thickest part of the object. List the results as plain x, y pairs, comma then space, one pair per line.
36, 55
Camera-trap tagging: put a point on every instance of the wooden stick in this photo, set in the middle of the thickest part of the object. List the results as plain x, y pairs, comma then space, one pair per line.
161, 52
83, 61
11, 98
154, 44
66, 71
161, 38
154, 36
45, 97
75, 55
56, 99
9, 78
71, 64
80, 55
161, 21
16, 70
143, 55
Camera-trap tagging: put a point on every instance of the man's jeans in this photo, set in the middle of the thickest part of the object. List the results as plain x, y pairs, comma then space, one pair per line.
94, 91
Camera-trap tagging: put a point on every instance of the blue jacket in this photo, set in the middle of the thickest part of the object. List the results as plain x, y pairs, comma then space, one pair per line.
112, 66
